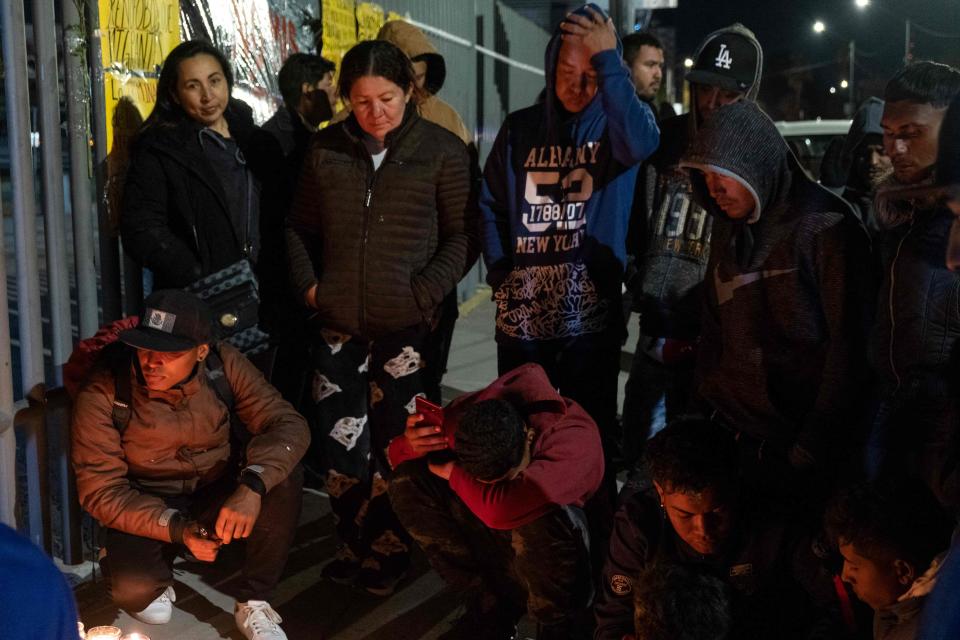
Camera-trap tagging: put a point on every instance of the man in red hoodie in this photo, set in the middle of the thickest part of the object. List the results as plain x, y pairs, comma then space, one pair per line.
494, 497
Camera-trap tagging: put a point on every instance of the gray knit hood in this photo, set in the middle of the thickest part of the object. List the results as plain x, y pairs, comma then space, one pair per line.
742, 142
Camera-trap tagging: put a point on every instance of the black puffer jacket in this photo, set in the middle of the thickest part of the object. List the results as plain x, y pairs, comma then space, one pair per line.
918, 313
383, 246
176, 219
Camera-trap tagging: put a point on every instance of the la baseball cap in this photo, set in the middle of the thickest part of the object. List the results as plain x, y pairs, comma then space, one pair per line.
727, 60
172, 320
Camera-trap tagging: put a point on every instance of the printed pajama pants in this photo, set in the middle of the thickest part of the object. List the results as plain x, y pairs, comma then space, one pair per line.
364, 392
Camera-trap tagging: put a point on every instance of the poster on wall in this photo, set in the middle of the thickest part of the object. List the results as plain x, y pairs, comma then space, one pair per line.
369, 20
135, 37
339, 28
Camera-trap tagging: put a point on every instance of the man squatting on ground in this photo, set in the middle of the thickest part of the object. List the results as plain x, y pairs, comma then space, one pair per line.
168, 477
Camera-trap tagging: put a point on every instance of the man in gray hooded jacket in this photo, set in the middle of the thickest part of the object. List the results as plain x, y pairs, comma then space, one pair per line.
670, 238
787, 294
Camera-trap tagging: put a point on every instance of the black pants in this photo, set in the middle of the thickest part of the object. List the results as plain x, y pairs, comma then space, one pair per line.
140, 569
541, 567
436, 347
364, 392
916, 433
584, 369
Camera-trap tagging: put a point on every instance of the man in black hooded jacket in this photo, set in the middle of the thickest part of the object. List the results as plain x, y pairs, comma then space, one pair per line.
865, 161
787, 292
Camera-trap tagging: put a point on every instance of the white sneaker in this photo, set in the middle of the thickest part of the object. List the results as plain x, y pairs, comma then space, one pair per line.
160, 610
257, 620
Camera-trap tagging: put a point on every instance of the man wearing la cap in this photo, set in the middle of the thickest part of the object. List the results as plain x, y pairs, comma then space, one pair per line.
670, 238
166, 474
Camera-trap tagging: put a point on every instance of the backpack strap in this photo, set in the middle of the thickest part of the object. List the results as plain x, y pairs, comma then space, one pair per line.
218, 380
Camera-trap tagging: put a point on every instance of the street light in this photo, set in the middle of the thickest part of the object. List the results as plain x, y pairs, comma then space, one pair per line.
833, 90
844, 84
862, 4
688, 63
819, 27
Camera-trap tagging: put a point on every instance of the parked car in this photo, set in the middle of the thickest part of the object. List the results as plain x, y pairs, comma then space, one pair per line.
809, 140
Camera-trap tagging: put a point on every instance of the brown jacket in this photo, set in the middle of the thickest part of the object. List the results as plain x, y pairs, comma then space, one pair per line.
175, 442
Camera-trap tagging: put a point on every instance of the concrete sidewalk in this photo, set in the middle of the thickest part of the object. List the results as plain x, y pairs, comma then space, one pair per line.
313, 608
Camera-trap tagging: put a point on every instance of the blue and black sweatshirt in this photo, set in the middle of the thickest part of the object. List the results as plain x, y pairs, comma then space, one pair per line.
555, 204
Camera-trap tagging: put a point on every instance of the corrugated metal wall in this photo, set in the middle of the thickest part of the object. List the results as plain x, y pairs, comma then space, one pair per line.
482, 88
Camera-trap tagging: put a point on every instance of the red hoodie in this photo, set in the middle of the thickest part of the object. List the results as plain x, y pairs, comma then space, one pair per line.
566, 461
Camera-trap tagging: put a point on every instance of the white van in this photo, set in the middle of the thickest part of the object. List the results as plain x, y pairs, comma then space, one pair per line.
809, 140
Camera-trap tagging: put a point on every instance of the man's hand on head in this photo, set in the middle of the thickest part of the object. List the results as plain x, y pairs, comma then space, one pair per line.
238, 514
426, 438
595, 32
441, 470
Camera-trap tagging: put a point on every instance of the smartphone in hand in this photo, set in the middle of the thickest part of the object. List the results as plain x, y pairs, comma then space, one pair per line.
432, 413
433, 416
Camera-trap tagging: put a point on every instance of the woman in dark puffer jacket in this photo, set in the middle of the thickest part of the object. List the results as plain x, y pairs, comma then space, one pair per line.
377, 236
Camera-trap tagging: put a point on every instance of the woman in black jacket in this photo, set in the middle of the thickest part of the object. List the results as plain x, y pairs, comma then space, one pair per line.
378, 235
199, 171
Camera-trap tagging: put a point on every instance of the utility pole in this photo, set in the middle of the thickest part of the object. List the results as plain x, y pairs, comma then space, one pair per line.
622, 15
906, 44
852, 83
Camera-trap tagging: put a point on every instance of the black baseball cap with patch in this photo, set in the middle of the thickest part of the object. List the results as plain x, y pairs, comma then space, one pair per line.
172, 320
728, 60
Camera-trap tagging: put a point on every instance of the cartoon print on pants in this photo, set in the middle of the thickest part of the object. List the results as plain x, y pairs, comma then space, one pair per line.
334, 339
404, 364
347, 431
323, 388
411, 406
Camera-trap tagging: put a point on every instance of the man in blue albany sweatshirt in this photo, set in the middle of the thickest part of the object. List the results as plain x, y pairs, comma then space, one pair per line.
555, 202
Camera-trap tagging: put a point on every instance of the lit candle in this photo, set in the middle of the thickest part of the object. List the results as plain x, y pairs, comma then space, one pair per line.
104, 633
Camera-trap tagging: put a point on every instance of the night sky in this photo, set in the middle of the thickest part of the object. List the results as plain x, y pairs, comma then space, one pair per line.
784, 28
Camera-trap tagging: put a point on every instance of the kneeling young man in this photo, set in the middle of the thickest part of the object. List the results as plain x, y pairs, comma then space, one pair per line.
160, 470
500, 516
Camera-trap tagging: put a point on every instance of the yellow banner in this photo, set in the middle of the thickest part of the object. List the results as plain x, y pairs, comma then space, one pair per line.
339, 28
135, 37
369, 20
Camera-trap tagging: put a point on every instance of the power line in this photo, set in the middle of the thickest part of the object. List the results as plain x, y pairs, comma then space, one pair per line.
932, 32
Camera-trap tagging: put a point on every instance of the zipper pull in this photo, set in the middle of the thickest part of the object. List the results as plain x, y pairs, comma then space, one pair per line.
369, 197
